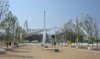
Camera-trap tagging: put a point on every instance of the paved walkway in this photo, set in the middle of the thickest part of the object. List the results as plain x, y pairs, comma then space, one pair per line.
38, 52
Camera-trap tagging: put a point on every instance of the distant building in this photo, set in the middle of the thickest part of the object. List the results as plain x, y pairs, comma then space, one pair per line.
34, 37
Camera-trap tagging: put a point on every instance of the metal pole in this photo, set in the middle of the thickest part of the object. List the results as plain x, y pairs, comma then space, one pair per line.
44, 21
26, 25
55, 34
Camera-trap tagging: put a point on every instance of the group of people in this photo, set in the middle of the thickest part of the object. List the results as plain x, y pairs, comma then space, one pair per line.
9, 43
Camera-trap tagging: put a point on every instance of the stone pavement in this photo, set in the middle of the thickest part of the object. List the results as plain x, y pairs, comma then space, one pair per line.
38, 52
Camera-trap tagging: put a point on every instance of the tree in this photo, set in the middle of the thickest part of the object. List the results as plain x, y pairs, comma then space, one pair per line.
3, 8
77, 29
89, 27
8, 25
3, 11
13, 28
96, 33
58, 37
20, 30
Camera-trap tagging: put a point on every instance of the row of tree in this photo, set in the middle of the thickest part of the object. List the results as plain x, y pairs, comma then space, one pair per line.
77, 31
10, 31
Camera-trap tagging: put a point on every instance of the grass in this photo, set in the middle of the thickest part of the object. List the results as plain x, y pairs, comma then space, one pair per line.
35, 42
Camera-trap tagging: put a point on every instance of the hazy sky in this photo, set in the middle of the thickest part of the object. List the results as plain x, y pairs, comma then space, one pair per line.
58, 12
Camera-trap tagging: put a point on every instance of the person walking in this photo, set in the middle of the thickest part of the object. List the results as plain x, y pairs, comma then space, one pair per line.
54, 44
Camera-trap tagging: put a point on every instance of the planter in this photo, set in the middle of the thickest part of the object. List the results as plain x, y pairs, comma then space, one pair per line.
66, 45
71, 46
14, 47
8, 49
79, 47
92, 48
2, 51
19, 45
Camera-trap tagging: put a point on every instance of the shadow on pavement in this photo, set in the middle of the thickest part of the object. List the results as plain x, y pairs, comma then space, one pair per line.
21, 51
18, 56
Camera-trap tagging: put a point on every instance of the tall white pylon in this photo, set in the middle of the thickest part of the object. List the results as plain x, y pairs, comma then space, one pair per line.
26, 25
44, 32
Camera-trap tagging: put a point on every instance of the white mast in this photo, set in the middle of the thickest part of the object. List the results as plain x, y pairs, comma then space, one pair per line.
44, 21
44, 32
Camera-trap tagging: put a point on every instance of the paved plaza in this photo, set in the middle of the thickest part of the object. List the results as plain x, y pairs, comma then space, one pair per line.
38, 52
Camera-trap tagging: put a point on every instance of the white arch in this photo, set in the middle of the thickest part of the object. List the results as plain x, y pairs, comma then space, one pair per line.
82, 29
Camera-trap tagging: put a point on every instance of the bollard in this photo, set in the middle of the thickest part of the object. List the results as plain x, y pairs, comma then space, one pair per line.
56, 50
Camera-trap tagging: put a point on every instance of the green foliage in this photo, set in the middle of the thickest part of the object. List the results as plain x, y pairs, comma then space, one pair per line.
10, 28
4, 5
90, 40
35, 42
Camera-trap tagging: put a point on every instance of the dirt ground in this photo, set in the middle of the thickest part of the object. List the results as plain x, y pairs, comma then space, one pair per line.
39, 52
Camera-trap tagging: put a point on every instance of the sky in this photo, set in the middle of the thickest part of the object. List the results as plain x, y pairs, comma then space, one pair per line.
58, 12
